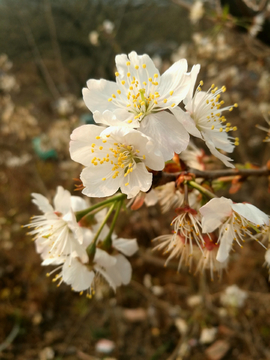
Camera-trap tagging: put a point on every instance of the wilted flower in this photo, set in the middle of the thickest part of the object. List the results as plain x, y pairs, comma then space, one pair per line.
186, 238
177, 247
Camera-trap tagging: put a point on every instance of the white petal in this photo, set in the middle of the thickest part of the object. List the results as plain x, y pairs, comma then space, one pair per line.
188, 123
42, 203
225, 244
168, 134
225, 159
119, 117
77, 275
62, 200
151, 198
97, 93
251, 213
139, 180
214, 213
78, 203
126, 246
102, 258
94, 186
175, 79
81, 141
111, 275
267, 257
124, 268
193, 77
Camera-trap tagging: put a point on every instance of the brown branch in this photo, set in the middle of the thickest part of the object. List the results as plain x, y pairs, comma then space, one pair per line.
215, 174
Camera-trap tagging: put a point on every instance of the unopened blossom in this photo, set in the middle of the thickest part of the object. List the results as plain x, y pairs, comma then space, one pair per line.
233, 221
203, 118
57, 233
139, 97
115, 157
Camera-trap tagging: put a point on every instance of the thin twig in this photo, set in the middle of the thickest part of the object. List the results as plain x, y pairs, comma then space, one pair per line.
10, 338
215, 174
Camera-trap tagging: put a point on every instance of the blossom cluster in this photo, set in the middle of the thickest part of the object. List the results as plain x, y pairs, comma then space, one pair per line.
144, 123
61, 240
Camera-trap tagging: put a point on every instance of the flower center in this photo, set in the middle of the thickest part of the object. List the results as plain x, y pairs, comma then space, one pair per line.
206, 111
121, 157
138, 92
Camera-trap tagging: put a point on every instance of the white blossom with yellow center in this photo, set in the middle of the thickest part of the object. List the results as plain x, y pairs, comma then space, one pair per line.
139, 96
203, 118
115, 157
56, 233
234, 222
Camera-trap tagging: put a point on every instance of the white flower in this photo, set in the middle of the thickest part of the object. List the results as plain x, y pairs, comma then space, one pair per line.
57, 233
232, 220
115, 269
115, 157
204, 119
234, 297
139, 96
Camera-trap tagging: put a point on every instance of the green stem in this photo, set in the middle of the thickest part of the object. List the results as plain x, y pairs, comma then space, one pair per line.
80, 214
92, 247
108, 241
201, 189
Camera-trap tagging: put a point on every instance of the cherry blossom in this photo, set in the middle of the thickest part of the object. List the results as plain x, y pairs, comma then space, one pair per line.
233, 222
139, 97
203, 118
115, 157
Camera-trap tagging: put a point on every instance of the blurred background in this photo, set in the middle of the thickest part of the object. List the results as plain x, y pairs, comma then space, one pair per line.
48, 50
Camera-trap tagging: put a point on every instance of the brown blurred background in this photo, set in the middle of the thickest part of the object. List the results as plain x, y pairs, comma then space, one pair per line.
48, 49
